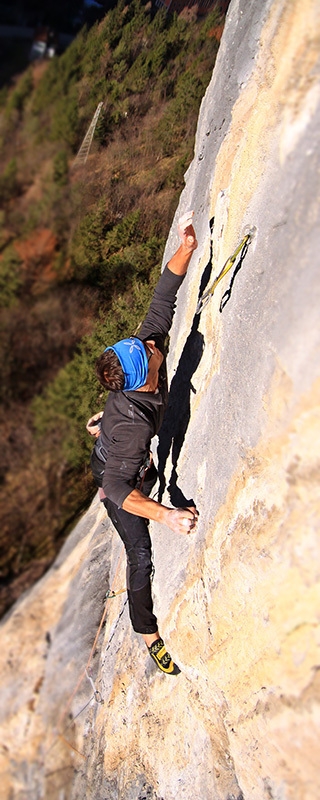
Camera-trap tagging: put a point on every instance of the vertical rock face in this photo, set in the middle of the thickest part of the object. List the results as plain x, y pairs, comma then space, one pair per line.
238, 602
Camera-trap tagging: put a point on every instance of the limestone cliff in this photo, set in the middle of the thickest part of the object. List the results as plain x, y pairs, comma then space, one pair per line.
238, 602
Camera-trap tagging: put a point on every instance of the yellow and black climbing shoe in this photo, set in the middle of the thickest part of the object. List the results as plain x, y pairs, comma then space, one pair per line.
162, 658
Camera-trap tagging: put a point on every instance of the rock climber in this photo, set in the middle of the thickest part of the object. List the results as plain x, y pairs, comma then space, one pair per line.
134, 372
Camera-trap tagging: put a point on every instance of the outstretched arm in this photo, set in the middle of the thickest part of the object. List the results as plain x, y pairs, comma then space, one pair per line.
160, 314
179, 520
180, 261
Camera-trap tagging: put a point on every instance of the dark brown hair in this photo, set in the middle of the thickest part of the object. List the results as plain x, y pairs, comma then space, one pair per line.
109, 371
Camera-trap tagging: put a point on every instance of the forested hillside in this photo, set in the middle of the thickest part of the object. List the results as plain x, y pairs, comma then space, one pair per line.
81, 248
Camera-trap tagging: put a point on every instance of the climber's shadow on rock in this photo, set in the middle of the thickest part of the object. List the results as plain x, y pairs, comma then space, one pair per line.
176, 421
177, 416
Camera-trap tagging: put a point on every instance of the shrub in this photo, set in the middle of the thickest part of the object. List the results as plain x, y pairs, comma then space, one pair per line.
60, 168
55, 100
174, 125
85, 248
10, 277
18, 96
119, 269
95, 46
112, 25
122, 234
175, 177
9, 186
65, 119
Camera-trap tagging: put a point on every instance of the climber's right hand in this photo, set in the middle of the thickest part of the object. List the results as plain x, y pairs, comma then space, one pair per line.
182, 520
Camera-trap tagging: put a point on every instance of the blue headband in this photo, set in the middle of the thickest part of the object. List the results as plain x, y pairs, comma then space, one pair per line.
134, 362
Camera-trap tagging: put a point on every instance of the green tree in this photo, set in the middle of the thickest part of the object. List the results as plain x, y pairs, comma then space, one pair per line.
85, 248
65, 119
61, 168
17, 98
9, 185
10, 277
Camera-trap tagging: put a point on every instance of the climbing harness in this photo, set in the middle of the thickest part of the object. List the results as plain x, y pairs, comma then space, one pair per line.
148, 461
205, 297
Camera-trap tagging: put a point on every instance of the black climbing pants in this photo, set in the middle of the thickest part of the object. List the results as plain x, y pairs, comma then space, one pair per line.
134, 532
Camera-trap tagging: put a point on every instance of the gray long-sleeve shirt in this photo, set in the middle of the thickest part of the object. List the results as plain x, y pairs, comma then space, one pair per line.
132, 418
